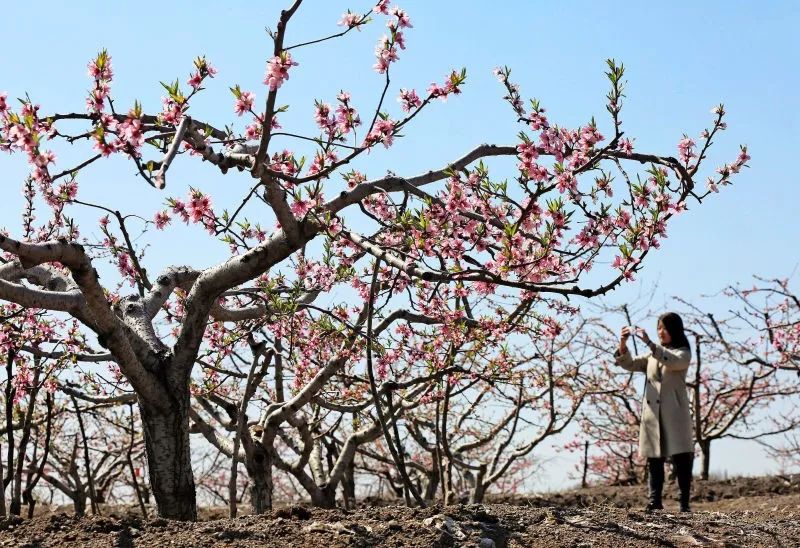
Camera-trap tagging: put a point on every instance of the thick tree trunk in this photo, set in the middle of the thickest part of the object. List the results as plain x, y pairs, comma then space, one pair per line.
477, 495
324, 497
259, 468
705, 448
321, 496
79, 502
166, 438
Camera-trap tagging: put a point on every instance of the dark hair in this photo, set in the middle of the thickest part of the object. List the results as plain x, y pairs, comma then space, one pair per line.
674, 326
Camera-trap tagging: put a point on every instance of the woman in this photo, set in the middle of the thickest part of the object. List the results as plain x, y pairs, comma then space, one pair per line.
666, 424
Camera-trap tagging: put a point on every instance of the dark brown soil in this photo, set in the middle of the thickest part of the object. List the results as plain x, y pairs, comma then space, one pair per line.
741, 512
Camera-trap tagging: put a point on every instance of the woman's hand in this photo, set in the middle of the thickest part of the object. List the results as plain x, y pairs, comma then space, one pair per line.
642, 334
623, 339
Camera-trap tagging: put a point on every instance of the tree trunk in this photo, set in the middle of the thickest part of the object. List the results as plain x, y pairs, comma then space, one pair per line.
2, 490
433, 483
349, 486
323, 498
584, 483
79, 502
9, 425
166, 439
259, 468
129, 455
86, 460
705, 448
479, 491
28, 499
16, 485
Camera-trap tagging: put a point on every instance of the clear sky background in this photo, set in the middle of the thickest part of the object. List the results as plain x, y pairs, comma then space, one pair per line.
682, 58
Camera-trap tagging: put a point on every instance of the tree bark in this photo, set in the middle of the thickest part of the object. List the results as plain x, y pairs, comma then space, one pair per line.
584, 484
79, 502
86, 461
166, 438
323, 498
9, 420
705, 448
479, 491
16, 485
34, 477
433, 483
349, 486
129, 457
259, 468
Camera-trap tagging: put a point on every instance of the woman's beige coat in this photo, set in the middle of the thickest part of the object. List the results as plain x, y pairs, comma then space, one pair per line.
665, 399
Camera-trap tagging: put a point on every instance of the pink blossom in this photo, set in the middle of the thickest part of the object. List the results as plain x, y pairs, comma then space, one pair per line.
278, 70
199, 206
349, 20
100, 68
435, 90
677, 208
44, 158
589, 136
347, 117
130, 130
538, 120
3, 104
179, 208
300, 208
162, 219
685, 149
321, 161
402, 18
409, 100
253, 131
566, 182
451, 86
283, 162
20, 137
195, 80
106, 149
400, 39
204, 68
383, 132
386, 53
625, 146
23, 382
68, 191
29, 109
354, 178
125, 267
244, 103
623, 220
171, 111
323, 117
382, 7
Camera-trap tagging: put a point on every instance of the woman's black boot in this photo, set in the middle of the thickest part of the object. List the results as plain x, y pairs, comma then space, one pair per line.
683, 470
655, 481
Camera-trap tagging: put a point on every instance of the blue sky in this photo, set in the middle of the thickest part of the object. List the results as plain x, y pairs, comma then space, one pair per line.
682, 58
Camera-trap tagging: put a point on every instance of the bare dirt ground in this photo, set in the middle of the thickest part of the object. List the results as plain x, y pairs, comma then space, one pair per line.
740, 512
